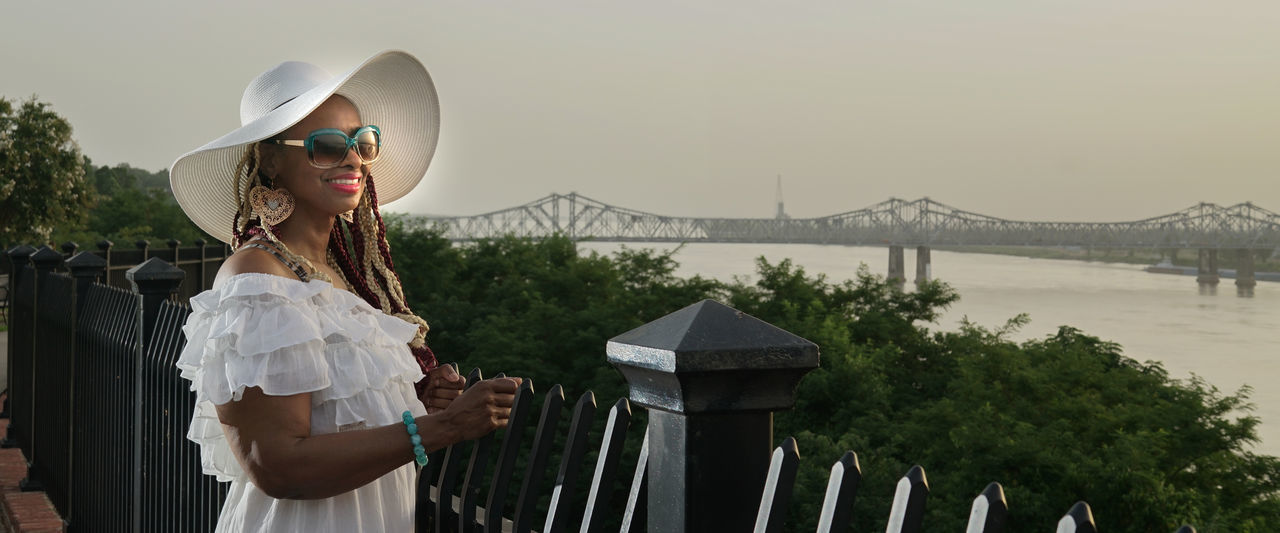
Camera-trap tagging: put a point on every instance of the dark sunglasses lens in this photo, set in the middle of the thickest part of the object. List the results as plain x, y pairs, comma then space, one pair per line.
328, 149
367, 145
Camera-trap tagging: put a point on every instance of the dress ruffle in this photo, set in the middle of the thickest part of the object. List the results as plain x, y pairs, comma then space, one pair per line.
288, 337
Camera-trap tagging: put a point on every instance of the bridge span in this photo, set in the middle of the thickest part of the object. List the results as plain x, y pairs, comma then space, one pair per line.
922, 223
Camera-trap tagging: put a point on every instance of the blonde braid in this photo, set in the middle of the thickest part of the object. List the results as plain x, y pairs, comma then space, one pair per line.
364, 217
244, 179
248, 168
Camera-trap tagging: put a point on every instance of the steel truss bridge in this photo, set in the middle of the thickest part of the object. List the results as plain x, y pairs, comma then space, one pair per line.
921, 222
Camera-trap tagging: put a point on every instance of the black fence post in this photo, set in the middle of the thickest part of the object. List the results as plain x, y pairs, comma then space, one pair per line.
105, 245
44, 260
153, 281
710, 376
69, 248
173, 248
86, 268
18, 256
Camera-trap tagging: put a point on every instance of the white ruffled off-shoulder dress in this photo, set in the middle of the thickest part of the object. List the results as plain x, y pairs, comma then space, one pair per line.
287, 337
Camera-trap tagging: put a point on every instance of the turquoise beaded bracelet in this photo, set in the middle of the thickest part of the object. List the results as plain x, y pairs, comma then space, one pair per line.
419, 453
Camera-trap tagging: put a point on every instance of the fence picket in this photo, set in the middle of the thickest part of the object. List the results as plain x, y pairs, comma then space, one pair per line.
527, 501
842, 488
470, 491
424, 506
635, 516
907, 514
575, 447
500, 485
989, 511
1078, 520
445, 518
778, 487
615, 433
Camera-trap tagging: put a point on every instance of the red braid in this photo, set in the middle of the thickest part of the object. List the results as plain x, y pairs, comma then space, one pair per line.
236, 236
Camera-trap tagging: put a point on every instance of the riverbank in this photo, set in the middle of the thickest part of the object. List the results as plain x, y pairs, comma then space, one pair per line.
1150, 256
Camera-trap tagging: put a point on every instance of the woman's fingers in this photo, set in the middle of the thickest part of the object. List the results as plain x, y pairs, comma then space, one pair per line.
482, 408
504, 385
445, 394
445, 373
445, 382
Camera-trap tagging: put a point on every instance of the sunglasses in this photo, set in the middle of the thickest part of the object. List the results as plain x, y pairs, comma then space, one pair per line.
328, 148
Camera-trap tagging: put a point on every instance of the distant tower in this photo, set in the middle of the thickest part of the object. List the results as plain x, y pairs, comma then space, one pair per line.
782, 214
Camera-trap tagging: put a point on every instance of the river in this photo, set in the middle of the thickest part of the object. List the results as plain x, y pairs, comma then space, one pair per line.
1225, 339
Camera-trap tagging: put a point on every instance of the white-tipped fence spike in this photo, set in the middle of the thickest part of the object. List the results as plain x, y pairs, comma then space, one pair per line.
615, 431
1078, 520
907, 514
777, 487
842, 487
989, 511
633, 517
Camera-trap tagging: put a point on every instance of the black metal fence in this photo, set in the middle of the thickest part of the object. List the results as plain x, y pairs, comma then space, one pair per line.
101, 412
97, 405
199, 261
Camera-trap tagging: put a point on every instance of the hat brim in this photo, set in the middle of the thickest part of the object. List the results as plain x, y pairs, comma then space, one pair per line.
392, 89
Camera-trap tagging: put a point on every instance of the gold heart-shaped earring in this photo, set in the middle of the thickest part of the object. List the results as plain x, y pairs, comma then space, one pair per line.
271, 206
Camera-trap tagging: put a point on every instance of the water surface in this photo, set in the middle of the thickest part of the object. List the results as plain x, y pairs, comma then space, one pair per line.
1227, 340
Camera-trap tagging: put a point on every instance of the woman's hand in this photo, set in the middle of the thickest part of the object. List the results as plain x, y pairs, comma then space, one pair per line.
443, 386
483, 408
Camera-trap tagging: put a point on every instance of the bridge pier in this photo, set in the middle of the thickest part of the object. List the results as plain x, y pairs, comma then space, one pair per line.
1245, 280
1207, 271
924, 265
897, 267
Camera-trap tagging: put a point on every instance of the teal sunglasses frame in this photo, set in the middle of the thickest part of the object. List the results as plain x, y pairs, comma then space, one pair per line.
309, 144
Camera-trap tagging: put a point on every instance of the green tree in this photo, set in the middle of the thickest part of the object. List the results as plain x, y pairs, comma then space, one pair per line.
130, 204
42, 180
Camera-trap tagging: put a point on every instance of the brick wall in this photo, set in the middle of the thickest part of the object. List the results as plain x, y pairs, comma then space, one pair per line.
24, 512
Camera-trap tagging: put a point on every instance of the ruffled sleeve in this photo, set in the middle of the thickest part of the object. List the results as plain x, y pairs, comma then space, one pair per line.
288, 337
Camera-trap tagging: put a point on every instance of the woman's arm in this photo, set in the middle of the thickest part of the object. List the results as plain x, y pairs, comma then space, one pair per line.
271, 437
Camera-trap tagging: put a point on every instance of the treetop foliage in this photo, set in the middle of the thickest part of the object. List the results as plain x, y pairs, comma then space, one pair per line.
50, 192
1055, 420
130, 204
41, 175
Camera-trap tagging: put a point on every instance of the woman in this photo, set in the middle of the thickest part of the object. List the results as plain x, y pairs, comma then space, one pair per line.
304, 356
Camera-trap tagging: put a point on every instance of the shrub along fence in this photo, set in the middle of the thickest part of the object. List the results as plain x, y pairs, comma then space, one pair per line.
101, 413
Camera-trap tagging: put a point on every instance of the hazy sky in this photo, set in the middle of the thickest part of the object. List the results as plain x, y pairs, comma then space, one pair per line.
1024, 109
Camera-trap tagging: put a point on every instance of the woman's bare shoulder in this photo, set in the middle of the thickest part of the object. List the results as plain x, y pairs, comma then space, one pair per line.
253, 261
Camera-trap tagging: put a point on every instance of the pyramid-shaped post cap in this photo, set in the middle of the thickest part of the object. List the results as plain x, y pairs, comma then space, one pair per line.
711, 357
20, 250
46, 257
86, 260
155, 275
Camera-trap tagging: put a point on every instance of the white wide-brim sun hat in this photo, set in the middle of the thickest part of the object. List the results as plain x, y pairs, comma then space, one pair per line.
391, 90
